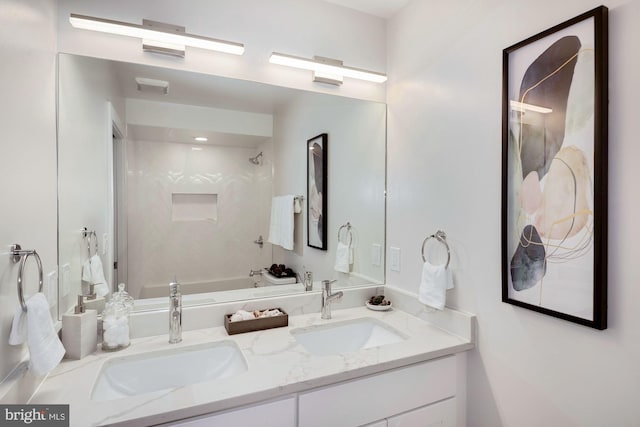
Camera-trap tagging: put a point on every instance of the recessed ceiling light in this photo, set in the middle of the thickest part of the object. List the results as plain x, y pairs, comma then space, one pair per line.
201, 138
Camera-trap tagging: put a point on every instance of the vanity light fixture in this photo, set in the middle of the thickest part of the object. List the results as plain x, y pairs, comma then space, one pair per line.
201, 138
326, 70
156, 37
145, 84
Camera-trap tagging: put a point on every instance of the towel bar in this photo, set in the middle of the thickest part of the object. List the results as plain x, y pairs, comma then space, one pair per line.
440, 236
19, 254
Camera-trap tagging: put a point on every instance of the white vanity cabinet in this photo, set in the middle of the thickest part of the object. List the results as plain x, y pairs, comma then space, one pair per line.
399, 396
275, 413
424, 394
440, 414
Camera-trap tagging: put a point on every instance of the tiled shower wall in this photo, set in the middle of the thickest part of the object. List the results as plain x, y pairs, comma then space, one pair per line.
198, 249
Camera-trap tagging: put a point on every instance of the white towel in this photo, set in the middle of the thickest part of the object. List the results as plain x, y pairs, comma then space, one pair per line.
344, 258
436, 279
36, 329
92, 272
281, 225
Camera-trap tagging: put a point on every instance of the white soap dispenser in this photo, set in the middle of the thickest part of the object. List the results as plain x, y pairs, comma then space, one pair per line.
80, 331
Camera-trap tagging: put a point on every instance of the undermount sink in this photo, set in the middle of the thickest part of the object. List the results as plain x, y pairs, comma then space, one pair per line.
168, 369
347, 336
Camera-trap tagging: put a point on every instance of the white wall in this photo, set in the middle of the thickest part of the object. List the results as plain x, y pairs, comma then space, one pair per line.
298, 27
355, 147
444, 138
192, 250
85, 162
27, 151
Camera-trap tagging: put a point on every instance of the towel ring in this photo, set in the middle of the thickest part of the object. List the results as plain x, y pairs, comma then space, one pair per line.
440, 236
87, 235
22, 255
348, 227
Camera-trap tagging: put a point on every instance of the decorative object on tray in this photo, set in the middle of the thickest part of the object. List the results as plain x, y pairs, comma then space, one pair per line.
378, 303
281, 271
246, 321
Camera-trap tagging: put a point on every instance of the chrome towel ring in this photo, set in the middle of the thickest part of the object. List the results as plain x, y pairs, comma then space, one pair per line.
440, 236
18, 254
348, 233
88, 235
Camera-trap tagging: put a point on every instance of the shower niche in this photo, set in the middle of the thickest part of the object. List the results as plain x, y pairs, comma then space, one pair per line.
194, 207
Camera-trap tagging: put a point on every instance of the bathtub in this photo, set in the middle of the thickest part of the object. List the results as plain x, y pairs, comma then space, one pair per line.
227, 284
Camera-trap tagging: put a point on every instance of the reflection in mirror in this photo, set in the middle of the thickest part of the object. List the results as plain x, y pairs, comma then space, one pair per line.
180, 184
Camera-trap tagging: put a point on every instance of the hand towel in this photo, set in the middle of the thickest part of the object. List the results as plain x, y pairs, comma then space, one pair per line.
97, 272
36, 329
343, 258
281, 224
436, 279
92, 272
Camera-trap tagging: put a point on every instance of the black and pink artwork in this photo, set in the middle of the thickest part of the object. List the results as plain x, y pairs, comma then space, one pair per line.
554, 171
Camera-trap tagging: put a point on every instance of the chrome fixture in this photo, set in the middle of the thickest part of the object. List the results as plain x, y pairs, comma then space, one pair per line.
327, 298
255, 273
20, 255
259, 242
441, 237
308, 281
144, 84
175, 313
257, 160
157, 37
326, 70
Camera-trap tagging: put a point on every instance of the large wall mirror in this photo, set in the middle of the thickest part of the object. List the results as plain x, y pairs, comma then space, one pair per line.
158, 204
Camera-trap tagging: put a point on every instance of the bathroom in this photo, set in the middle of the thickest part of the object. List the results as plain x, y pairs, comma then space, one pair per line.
444, 63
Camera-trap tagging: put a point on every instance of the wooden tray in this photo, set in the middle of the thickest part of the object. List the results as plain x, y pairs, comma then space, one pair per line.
242, 326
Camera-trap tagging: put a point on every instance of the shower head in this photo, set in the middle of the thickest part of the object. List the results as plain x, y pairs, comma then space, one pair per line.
257, 160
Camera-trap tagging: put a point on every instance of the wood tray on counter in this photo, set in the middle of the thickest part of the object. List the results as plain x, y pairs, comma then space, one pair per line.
242, 326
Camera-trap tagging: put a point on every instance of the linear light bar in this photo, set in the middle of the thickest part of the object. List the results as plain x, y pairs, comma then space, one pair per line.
522, 107
321, 66
171, 39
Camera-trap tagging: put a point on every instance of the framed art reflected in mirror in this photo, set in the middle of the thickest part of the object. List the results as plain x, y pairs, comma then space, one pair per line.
317, 192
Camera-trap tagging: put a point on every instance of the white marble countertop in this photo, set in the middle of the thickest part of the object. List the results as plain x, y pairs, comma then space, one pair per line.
278, 366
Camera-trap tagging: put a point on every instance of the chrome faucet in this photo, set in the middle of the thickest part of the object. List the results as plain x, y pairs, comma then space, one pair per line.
308, 281
175, 313
327, 298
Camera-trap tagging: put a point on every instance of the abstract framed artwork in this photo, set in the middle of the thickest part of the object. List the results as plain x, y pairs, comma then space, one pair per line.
317, 192
554, 171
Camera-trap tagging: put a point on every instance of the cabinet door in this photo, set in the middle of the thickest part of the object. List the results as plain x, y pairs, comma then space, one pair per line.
278, 413
441, 414
373, 398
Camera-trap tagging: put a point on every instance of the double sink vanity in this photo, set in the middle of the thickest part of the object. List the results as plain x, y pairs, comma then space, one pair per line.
361, 367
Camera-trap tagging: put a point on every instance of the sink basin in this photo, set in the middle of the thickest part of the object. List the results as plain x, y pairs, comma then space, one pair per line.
167, 369
347, 336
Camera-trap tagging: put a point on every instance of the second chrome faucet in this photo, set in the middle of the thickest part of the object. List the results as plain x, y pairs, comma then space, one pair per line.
327, 298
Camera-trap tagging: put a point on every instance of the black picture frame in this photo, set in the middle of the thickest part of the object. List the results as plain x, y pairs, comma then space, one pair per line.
317, 191
554, 171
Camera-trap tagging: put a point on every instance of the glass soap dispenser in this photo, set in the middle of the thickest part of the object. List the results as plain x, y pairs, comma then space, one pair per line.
115, 321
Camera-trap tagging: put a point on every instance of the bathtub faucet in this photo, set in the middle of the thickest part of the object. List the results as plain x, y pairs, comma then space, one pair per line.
255, 272
175, 313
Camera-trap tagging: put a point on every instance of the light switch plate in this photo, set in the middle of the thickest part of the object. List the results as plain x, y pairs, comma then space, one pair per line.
394, 259
52, 288
376, 254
